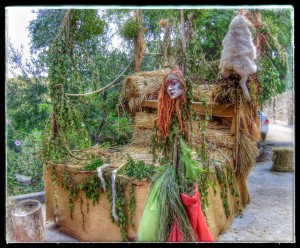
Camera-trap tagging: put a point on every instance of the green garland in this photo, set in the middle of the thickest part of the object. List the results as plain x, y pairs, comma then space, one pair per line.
131, 206
138, 170
225, 176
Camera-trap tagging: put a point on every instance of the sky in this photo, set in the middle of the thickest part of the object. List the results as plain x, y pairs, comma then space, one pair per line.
17, 20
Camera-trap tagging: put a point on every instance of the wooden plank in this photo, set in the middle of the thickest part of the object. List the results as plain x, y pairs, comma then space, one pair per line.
214, 110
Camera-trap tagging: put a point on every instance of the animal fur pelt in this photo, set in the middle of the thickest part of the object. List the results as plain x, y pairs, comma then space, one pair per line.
238, 52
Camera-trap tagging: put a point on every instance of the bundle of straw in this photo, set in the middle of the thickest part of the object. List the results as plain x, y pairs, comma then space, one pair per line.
247, 155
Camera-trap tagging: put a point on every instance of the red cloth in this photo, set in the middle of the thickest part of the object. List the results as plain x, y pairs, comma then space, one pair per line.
175, 235
192, 207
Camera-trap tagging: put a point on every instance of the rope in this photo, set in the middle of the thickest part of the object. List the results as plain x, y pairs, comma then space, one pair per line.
114, 195
99, 172
103, 88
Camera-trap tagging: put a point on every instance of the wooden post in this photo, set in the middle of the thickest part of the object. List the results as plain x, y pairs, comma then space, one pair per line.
166, 60
175, 152
237, 132
27, 221
139, 43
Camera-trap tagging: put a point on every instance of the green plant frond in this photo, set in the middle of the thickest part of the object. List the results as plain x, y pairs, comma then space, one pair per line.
171, 209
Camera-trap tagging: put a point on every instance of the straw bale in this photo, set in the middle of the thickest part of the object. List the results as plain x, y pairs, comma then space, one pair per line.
142, 129
222, 154
141, 86
146, 85
206, 91
139, 153
144, 120
215, 134
141, 137
283, 159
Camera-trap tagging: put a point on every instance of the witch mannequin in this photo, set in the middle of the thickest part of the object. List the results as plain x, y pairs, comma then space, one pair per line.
171, 107
173, 211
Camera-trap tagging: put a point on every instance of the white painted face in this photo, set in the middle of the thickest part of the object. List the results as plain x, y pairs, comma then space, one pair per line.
174, 89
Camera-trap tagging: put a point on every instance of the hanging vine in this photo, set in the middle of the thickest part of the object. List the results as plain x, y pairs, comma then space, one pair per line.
65, 130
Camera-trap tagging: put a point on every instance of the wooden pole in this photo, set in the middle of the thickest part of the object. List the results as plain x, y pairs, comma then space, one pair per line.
175, 152
166, 60
183, 41
27, 221
237, 133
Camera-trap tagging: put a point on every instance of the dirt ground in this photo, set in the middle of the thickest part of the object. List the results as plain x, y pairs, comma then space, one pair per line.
270, 215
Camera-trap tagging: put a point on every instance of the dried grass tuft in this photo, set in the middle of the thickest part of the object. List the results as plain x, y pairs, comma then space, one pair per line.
163, 23
227, 89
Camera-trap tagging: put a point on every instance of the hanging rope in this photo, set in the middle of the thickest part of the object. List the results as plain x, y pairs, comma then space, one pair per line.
103, 88
100, 176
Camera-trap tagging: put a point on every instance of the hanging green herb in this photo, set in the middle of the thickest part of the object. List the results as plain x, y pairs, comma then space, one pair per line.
131, 205
138, 170
91, 189
93, 165
72, 194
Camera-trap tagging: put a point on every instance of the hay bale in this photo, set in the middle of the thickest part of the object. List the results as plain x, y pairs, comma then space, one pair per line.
144, 120
141, 86
205, 91
216, 133
145, 85
222, 154
141, 137
142, 129
283, 159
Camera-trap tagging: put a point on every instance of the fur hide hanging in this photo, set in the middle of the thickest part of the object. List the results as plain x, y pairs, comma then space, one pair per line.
238, 52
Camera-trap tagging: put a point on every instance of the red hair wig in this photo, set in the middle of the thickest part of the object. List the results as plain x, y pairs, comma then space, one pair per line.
166, 105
